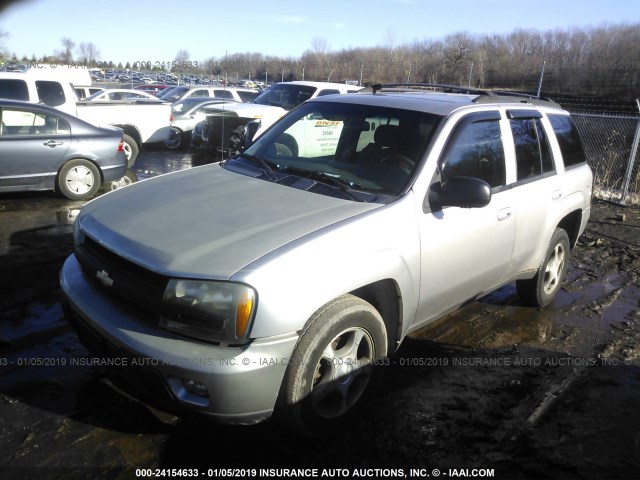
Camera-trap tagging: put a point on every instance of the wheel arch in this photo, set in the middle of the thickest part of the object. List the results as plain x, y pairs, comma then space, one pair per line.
132, 131
570, 223
385, 297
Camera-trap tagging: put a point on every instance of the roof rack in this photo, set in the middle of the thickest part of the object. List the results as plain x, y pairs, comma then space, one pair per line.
430, 86
484, 95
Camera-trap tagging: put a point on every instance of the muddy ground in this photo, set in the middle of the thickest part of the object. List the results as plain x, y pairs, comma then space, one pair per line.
528, 393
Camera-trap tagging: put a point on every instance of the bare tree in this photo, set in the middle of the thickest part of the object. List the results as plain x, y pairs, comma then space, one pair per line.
89, 53
181, 61
66, 54
3, 51
182, 56
319, 45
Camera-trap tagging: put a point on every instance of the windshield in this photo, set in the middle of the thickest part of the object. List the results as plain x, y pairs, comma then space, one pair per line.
285, 95
365, 148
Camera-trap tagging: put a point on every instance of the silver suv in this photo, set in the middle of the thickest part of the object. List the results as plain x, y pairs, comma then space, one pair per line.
276, 282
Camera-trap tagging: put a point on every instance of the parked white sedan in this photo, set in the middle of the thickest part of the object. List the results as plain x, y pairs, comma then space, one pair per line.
119, 94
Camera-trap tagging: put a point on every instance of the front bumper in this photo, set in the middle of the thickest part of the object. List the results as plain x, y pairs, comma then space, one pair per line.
242, 383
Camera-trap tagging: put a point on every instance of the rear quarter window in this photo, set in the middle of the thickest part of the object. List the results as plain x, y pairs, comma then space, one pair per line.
568, 139
14, 89
50, 93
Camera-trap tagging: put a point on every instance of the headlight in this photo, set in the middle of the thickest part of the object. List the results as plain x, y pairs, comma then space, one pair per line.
210, 311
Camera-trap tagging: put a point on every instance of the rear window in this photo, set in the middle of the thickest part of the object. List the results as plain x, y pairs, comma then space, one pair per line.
14, 89
568, 139
285, 95
50, 93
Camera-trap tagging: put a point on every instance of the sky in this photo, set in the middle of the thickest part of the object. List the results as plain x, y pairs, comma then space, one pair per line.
154, 31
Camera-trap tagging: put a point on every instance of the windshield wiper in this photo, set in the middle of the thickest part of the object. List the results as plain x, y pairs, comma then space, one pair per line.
267, 167
325, 178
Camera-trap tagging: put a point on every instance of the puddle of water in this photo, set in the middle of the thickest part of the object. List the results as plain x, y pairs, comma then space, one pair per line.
42, 318
153, 163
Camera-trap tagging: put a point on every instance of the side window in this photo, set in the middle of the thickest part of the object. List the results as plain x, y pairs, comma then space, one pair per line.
568, 139
50, 93
475, 150
14, 89
25, 122
200, 93
533, 153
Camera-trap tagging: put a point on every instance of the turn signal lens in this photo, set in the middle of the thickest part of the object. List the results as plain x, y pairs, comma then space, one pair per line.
243, 313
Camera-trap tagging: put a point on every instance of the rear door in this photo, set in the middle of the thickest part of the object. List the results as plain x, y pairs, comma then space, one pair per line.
537, 187
33, 145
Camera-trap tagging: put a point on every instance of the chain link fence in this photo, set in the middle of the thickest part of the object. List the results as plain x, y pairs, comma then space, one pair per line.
611, 145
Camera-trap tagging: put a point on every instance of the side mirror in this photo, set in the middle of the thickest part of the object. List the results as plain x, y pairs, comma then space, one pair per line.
464, 192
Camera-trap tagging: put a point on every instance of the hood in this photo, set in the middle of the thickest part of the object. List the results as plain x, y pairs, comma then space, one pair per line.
207, 222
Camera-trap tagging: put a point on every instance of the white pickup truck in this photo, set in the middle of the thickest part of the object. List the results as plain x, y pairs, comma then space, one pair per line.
141, 122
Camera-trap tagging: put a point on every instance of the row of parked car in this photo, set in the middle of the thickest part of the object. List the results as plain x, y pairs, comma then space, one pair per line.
68, 153
219, 127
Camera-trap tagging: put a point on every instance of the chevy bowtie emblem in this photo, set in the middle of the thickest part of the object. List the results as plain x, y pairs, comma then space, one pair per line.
103, 277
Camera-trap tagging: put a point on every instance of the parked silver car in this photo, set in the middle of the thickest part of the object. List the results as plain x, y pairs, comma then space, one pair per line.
285, 276
42, 148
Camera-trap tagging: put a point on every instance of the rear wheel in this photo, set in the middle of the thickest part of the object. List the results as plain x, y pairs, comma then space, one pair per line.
78, 179
131, 150
175, 140
540, 290
332, 372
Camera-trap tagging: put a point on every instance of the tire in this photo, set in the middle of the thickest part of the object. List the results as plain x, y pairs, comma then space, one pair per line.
322, 392
175, 140
78, 179
540, 290
131, 150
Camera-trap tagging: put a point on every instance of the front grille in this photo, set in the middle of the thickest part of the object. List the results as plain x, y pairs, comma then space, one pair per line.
140, 288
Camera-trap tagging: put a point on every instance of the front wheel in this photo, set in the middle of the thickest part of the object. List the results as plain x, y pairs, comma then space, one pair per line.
332, 371
540, 290
78, 179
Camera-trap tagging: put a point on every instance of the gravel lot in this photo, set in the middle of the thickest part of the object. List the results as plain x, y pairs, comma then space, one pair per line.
529, 393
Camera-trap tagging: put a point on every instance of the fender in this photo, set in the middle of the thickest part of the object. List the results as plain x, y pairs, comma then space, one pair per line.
295, 280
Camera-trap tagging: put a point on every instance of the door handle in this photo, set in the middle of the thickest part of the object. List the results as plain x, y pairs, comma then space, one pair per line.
52, 144
504, 214
556, 195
